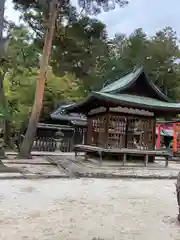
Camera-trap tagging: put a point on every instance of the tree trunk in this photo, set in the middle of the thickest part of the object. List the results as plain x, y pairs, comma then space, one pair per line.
7, 134
7, 122
2, 7
25, 149
3, 52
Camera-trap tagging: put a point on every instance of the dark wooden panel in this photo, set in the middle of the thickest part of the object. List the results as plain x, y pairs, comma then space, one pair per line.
113, 130
116, 131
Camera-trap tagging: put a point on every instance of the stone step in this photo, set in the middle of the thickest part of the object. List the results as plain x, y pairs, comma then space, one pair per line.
39, 153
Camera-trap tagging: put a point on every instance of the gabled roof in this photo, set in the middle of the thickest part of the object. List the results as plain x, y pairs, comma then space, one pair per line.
128, 80
125, 100
133, 90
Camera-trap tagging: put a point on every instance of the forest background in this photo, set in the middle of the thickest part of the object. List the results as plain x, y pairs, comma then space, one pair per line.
83, 59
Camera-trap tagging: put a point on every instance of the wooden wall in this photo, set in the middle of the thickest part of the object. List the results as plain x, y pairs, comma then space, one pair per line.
114, 130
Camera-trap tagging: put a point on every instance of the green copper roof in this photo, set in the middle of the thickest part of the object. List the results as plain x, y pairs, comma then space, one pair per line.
128, 80
125, 100
137, 100
118, 93
123, 81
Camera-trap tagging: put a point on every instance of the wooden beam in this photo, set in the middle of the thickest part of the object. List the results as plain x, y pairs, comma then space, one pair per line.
133, 111
97, 111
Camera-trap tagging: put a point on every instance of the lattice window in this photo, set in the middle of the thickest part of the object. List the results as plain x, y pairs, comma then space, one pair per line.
98, 131
131, 132
140, 133
116, 132
113, 131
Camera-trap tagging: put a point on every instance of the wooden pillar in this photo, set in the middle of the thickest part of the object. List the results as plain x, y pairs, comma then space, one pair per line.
158, 142
126, 133
174, 138
102, 126
106, 132
154, 133
89, 132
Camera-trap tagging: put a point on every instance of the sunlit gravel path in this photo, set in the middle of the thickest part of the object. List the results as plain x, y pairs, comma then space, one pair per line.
84, 209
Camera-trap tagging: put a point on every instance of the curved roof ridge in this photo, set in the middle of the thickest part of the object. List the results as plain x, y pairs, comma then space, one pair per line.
107, 82
128, 79
123, 81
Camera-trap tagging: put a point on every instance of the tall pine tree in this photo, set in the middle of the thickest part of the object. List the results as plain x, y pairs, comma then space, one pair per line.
49, 9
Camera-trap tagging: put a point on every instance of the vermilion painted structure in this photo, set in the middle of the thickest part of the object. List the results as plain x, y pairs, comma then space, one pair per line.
169, 129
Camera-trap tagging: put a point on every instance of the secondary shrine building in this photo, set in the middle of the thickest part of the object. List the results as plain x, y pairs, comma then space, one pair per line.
123, 114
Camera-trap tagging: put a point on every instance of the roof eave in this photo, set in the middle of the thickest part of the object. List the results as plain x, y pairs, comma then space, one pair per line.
75, 106
136, 105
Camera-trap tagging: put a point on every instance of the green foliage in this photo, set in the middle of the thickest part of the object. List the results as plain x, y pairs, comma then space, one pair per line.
19, 90
79, 45
83, 58
21, 72
89, 6
22, 52
160, 55
58, 89
21, 95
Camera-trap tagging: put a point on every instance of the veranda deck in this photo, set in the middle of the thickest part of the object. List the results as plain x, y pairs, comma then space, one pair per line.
124, 152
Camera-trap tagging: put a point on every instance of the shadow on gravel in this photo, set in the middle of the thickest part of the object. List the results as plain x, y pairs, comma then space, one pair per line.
4, 169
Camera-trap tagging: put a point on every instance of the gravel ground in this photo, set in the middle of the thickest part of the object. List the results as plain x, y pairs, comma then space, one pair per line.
87, 209
37, 165
115, 168
68, 166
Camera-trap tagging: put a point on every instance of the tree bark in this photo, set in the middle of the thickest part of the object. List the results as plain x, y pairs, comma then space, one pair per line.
2, 96
7, 122
7, 134
2, 7
25, 149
